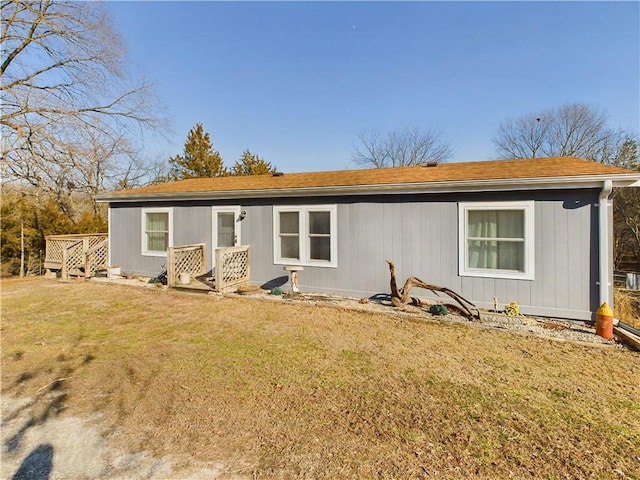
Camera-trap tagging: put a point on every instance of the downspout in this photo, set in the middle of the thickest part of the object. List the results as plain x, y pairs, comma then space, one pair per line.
109, 262
604, 243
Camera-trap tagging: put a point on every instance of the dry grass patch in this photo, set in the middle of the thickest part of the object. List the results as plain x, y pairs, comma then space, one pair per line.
627, 306
280, 390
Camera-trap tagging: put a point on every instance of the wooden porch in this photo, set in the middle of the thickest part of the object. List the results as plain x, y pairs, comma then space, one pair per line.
186, 268
80, 255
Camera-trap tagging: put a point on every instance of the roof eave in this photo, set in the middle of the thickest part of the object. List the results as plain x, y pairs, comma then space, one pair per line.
574, 182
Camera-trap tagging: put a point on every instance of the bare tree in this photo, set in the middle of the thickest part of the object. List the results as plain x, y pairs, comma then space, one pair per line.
578, 130
69, 109
626, 205
573, 129
410, 146
524, 137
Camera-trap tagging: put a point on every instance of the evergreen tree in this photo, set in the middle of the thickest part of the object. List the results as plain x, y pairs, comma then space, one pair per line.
199, 159
250, 164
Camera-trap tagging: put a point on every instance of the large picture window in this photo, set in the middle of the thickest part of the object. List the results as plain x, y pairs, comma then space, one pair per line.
156, 231
305, 235
496, 239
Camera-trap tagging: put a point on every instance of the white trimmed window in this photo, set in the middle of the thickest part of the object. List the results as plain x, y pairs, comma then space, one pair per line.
305, 235
157, 231
496, 239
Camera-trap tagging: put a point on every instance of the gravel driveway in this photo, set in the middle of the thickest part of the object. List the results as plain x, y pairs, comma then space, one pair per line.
71, 448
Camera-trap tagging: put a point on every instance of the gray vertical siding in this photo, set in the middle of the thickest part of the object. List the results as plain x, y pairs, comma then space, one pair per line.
419, 233
192, 224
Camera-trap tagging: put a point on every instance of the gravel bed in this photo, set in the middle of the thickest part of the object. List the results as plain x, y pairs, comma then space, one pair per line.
570, 330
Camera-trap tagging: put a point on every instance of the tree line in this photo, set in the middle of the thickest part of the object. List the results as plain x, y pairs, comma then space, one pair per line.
200, 159
73, 114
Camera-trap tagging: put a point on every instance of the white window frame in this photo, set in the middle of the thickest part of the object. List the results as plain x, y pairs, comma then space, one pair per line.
236, 210
145, 250
304, 236
529, 240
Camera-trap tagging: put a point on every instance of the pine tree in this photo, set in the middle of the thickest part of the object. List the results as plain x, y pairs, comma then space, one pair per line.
250, 164
199, 159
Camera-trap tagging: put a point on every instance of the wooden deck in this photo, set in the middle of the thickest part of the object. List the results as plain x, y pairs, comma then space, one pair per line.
76, 254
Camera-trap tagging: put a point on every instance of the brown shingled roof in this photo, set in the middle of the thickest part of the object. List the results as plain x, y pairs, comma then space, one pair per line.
537, 168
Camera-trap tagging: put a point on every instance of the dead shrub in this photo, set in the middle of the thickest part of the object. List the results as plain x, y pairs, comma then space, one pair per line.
627, 307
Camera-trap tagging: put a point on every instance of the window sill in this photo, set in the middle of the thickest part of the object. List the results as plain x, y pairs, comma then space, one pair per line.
498, 274
291, 261
154, 254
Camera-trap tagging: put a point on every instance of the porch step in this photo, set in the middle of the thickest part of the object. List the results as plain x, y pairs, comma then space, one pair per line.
196, 286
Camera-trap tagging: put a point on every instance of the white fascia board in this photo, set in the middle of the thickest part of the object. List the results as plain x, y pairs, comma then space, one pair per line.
576, 182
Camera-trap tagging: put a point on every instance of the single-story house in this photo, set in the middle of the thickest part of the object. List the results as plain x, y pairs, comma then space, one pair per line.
538, 232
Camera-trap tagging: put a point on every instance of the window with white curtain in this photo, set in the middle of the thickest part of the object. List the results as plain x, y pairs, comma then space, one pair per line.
305, 235
156, 231
496, 239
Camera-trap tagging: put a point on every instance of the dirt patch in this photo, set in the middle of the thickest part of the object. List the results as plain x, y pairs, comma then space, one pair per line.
163, 385
63, 447
31, 440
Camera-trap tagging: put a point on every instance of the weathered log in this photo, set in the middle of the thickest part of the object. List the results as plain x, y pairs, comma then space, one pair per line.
400, 297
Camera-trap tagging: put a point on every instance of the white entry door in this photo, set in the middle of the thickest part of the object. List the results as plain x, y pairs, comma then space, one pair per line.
226, 227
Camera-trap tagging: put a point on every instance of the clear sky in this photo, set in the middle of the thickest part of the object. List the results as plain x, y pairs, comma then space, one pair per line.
295, 82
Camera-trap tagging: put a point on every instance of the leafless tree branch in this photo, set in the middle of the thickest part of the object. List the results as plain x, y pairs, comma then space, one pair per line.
71, 112
401, 148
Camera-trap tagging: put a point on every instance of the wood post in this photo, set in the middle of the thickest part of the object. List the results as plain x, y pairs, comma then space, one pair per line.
85, 257
219, 275
248, 262
203, 260
22, 250
63, 271
170, 267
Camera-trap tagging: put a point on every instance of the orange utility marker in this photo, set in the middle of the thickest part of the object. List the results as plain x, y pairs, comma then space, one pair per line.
604, 321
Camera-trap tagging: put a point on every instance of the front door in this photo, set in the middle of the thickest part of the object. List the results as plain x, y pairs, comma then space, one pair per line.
226, 227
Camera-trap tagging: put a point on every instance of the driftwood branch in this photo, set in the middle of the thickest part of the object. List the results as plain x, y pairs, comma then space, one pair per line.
400, 297
58, 380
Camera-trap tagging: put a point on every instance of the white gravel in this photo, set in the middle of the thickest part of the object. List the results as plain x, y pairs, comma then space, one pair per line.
559, 329
72, 448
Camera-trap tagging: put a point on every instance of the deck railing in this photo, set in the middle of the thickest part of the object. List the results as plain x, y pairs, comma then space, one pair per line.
189, 259
77, 254
232, 267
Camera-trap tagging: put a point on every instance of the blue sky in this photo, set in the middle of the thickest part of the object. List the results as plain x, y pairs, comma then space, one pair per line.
295, 82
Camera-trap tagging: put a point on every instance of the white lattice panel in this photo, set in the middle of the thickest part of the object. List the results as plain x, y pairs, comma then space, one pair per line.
232, 267
235, 266
188, 261
98, 257
75, 256
96, 240
185, 259
55, 247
